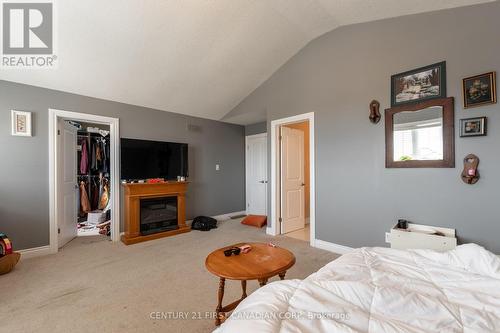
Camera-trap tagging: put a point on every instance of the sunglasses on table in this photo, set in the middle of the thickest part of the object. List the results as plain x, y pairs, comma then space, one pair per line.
234, 250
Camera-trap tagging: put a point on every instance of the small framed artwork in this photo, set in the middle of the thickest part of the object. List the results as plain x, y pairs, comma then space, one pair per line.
479, 90
21, 123
473, 126
419, 84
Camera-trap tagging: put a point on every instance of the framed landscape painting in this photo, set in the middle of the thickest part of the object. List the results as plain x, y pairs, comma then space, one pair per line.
419, 85
479, 90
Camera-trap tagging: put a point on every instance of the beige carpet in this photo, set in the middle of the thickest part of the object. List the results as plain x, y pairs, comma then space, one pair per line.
93, 285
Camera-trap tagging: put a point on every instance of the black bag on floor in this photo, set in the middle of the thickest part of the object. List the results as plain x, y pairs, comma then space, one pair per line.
204, 223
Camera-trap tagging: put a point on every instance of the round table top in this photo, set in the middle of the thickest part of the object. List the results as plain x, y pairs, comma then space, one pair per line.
262, 262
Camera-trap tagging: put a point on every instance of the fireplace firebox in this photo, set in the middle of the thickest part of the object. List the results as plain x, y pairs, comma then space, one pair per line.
158, 215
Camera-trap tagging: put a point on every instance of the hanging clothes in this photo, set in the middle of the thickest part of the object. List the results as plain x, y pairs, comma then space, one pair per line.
94, 163
84, 199
84, 161
105, 156
98, 154
93, 160
95, 195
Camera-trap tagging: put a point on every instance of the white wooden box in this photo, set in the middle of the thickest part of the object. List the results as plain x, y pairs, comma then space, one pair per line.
419, 236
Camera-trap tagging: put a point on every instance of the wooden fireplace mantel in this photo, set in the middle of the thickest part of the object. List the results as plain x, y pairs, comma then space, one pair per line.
133, 194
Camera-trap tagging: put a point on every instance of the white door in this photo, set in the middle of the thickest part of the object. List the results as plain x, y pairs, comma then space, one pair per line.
292, 173
256, 179
67, 183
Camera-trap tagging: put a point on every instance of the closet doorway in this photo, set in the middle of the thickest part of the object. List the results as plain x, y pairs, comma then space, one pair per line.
292, 177
83, 176
295, 180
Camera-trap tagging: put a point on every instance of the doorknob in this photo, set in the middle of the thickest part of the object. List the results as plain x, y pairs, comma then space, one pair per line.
302, 184
262, 182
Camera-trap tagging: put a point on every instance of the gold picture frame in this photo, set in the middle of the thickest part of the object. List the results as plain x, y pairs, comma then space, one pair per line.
479, 90
21, 123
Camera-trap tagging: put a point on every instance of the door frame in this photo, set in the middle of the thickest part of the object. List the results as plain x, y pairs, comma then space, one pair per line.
114, 129
275, 228
247, 169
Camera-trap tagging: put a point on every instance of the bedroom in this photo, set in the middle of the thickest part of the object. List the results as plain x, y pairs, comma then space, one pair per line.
247, 64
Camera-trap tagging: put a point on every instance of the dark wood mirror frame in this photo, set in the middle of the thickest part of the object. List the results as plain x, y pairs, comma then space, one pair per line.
448, 160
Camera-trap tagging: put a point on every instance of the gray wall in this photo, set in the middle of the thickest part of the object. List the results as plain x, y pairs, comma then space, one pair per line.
256, 128
24, 185
338, 74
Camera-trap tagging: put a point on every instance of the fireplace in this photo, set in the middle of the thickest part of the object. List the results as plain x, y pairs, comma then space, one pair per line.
158, 215
154, 204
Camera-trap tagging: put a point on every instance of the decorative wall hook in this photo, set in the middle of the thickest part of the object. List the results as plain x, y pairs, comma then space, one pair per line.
470, 174
374, 111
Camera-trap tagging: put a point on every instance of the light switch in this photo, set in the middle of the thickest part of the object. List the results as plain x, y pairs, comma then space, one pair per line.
217, 167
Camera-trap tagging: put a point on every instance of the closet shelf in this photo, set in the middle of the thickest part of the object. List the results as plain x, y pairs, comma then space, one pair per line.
91, 134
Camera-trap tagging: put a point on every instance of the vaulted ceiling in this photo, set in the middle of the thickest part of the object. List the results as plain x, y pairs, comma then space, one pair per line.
195, 57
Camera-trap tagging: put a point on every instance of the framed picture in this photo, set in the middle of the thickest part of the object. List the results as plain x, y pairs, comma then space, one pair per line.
419, 85
21, 123
473, 126
479, 90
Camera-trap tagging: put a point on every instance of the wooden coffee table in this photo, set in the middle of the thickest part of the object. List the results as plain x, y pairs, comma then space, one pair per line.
261, 263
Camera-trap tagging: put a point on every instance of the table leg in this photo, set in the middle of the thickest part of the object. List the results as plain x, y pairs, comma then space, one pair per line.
262, 282
220, 295
244, 288
282, 275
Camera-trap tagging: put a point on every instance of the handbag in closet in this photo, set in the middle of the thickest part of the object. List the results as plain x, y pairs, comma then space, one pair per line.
84, 199
104, 199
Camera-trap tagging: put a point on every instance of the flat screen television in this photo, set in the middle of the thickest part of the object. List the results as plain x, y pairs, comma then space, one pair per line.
141, 159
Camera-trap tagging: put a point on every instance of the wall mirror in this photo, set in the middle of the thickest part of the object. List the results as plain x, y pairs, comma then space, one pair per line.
420, 135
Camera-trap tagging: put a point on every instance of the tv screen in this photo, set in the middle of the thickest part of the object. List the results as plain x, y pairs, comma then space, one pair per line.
142, 159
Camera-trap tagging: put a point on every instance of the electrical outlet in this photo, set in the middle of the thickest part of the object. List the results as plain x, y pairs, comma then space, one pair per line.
388, 237
217, 167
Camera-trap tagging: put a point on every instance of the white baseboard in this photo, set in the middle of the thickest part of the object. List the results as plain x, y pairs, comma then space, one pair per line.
225, 217
270, 231
335, 248
35, 252
332, 247
45, 250
222, 217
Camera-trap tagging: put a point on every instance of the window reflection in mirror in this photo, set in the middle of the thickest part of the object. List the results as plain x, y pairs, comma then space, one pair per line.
418, 135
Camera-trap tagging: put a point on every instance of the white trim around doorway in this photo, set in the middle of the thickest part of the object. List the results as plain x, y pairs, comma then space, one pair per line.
114, 128
275, 124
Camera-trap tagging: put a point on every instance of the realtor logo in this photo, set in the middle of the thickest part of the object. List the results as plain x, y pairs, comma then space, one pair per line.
28, 34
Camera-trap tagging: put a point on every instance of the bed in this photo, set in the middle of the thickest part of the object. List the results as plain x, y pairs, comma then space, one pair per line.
381, 290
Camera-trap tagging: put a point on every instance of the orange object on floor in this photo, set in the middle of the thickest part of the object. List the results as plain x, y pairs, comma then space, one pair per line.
255, 220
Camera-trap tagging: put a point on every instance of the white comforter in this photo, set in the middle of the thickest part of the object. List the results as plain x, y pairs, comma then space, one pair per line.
381, 290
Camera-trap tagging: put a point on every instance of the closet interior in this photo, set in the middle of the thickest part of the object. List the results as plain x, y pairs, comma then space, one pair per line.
93, 175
